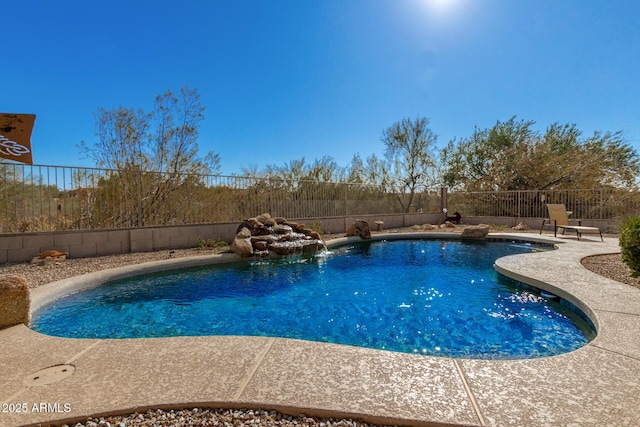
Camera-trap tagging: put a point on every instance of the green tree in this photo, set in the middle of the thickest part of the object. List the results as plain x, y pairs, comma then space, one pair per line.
511, 156
409, 163
485, 160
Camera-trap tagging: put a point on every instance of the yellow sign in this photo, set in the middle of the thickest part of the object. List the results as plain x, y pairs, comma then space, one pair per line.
15, 137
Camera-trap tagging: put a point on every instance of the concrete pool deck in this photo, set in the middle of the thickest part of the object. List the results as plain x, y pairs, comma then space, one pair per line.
596, 385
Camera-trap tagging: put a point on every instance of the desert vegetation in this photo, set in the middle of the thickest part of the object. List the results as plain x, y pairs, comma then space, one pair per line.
149, 171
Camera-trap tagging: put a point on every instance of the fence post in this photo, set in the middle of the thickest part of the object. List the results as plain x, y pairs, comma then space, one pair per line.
601, 202
140, 220
444, 202
346, 199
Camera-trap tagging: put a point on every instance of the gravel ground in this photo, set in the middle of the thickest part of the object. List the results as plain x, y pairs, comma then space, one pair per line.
610, 266
217, 417
38, 275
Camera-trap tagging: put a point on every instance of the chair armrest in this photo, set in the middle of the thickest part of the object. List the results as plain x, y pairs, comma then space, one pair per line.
569, 213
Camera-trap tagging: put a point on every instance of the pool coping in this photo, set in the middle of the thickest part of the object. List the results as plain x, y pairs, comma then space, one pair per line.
597, 384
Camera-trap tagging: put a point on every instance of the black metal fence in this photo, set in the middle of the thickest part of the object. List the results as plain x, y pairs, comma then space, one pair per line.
48, 198
609, 203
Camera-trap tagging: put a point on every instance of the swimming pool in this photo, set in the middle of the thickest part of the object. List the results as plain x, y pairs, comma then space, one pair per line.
434, 297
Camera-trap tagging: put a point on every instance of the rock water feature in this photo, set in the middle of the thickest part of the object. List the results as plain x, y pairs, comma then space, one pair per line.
264, 235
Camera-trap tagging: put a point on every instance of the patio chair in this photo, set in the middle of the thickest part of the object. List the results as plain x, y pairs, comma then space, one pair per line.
559, 218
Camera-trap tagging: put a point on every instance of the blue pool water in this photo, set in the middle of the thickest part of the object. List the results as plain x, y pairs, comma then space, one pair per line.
432, 297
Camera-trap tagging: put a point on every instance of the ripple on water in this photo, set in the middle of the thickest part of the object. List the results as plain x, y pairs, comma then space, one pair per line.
417, 296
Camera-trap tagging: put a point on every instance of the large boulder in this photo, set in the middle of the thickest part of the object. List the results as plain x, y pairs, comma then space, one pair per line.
242, 246
475, 231
15, 300
359, 228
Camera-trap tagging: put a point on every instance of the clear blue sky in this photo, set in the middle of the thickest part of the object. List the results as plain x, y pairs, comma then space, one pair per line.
282, 80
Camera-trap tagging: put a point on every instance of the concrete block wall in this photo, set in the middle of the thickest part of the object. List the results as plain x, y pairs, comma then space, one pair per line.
22, 247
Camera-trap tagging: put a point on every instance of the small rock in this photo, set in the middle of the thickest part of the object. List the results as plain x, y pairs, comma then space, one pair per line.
260, 245
423, 227
53, 254
282, 229
263, 218
37, 261
314, 235
251, 224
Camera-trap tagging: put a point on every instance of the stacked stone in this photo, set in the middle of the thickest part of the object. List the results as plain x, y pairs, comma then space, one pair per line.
264, 235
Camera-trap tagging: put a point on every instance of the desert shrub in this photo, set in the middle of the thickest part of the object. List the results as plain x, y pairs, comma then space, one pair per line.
41, 223
210, 243
316, 226
630, 245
